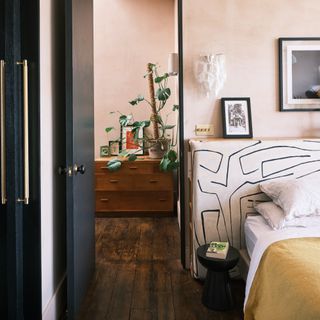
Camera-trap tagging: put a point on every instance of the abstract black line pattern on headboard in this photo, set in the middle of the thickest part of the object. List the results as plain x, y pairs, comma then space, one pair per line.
226, 176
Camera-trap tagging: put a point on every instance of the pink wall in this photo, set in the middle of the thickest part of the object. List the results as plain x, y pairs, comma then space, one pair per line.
246, 32
128, 35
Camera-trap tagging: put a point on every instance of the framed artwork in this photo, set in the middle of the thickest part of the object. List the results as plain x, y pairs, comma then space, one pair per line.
114, 148
236, 117
104, 151
299, 74
127, 140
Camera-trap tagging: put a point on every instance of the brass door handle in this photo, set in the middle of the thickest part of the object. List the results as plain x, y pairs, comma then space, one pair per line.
68, 171
79, 169
26, 195
3, 132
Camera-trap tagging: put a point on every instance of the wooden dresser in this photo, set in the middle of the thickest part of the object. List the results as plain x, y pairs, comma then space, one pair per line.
137, 187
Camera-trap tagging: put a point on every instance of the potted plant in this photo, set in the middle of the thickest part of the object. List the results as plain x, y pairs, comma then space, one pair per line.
156, 141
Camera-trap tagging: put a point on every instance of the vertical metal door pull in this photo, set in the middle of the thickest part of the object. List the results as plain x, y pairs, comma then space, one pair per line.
3, 132
24, 64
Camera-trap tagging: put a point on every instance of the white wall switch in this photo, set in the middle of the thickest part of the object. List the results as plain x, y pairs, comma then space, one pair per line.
204, 130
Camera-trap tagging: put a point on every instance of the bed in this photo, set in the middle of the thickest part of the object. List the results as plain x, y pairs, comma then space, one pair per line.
284, 275
226, 175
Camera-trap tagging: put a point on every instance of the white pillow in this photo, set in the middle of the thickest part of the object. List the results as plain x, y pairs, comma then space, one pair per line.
297, 197
275, 217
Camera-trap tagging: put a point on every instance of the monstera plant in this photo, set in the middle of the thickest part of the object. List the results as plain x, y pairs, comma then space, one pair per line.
155, 139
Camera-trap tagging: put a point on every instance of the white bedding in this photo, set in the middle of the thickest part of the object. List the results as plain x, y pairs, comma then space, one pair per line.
254, 227
276, 235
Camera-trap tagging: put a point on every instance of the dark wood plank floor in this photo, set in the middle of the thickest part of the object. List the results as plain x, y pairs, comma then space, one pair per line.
139, 276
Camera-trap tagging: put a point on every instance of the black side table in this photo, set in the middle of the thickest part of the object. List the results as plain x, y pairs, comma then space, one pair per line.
217, 293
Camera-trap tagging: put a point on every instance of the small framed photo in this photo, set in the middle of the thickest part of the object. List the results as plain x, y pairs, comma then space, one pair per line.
114, 148
299, 74
127, 140
236, 117
104, 151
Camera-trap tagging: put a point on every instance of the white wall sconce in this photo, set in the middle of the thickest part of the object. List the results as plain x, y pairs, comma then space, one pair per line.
210, 73
173, 64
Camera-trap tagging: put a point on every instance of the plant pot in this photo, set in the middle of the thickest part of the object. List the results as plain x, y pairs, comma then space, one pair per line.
158, 149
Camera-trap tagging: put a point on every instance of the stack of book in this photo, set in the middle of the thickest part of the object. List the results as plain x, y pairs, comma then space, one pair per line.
218, 250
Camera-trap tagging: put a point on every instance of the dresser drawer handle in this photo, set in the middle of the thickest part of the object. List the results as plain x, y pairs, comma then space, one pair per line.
133, 168
162, 200
153, 181
104, 168
104, 200
113, 181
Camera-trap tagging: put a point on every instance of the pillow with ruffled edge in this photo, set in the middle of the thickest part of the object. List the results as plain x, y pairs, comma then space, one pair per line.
296, 197
275, 217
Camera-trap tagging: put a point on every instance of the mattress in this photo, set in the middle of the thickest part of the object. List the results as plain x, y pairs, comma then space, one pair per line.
254, 227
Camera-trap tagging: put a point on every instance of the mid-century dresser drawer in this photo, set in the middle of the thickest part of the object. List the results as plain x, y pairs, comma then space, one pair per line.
130, 167
133, 201
145, 182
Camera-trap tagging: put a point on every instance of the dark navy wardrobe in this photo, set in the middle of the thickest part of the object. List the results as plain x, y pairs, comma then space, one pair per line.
20, 232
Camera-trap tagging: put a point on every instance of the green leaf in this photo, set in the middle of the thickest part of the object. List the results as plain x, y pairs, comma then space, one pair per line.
167, 127
172, 155
136, 100
161, 78
109, 129
125, 120
175, 107
145, 123
124, 153
164, 164
135, 132
114, 165
132, 157
141, 124
173, 166
163, 94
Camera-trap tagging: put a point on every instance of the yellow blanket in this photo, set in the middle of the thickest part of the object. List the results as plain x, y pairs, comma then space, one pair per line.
286, 285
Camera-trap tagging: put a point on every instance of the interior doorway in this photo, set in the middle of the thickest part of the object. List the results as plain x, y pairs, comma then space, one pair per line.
127, 37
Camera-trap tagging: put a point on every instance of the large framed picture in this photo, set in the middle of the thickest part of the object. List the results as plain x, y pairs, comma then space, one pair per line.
127, 140
236, 117
299, 74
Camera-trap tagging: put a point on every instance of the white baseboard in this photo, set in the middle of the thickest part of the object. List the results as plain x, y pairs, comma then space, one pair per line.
57, 303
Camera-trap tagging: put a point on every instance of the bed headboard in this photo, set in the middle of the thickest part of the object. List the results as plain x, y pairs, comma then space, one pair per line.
226, 176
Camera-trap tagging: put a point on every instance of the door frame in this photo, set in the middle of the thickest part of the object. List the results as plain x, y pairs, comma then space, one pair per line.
182, 168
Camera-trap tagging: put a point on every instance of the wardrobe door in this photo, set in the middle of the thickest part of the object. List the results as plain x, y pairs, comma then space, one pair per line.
29, 46
20, 264
10, 152
3, 220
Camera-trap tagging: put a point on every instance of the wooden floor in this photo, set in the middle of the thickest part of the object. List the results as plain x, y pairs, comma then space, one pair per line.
139, 276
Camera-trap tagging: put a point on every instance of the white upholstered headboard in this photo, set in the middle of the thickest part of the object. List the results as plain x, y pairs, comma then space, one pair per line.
226, 176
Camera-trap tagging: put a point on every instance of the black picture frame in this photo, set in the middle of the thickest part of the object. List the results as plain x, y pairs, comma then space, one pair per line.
295, 80
236, 117
104, 151
123, 142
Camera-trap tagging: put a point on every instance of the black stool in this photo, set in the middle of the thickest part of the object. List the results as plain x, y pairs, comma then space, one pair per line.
217, 293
